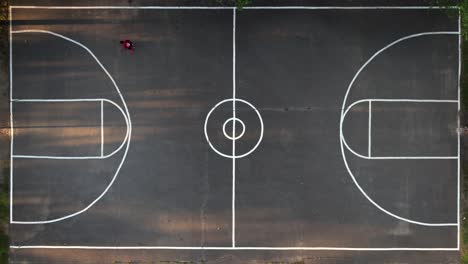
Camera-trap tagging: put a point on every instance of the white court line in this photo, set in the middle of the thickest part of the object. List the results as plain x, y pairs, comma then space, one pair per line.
369, 133
350, 7
232, 7
24, 156
102, 128
126, 116
369, 157
233, 248
458, 126
234, 120
11, 115
238, 248
342, 141
234, 128
205, 128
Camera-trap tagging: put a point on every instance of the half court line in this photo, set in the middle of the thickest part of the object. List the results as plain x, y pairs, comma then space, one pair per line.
369, 134
102, 128
234, 128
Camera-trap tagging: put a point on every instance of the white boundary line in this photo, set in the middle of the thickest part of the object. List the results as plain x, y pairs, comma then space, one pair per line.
76, 157
458, 126
233, 128
126, 116
102, 128
236, 248
214, 248
349, 7
232, 7
343, 110
370, 100
11, 114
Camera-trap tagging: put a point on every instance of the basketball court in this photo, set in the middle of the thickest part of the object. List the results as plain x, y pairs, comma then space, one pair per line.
271, 130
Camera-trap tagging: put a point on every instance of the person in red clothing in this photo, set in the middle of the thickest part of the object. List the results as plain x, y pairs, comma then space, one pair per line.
127, 44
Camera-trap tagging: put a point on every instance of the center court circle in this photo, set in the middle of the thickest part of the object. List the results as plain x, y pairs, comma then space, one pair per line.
233, 137
233, 120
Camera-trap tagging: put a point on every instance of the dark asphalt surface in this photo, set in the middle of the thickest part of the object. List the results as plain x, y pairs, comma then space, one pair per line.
294, 190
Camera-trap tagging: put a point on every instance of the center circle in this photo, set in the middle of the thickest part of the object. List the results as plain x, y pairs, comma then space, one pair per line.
232, 102
233, 120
